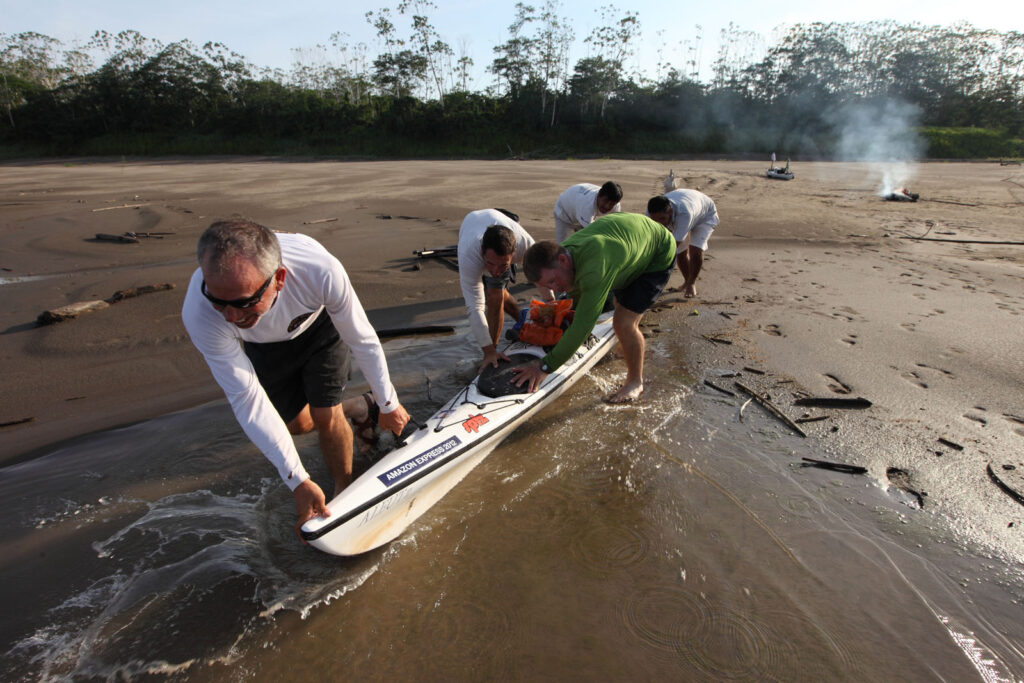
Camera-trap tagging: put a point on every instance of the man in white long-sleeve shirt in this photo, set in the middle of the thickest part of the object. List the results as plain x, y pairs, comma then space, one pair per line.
578, 206
491, 243
275, 316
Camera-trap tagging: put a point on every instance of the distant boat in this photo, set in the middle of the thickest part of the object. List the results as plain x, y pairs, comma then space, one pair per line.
779, 173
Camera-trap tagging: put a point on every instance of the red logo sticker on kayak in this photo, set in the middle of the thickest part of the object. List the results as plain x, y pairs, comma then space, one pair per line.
474, 423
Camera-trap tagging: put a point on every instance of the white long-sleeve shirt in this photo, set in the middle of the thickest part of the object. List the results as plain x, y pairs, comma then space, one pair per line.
315, 280
690, 208
577, 206
472, 267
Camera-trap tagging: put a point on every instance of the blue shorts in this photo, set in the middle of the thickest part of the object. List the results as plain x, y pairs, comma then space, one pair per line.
642, 292
311, 369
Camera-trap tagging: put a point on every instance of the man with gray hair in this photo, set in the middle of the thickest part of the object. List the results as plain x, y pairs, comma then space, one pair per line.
275, 316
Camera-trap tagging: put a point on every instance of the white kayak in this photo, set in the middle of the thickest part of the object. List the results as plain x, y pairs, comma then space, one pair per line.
381, 503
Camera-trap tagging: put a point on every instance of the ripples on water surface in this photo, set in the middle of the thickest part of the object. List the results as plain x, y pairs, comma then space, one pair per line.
667, 540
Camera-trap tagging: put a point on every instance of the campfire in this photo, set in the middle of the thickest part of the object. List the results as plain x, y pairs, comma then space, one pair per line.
901, 195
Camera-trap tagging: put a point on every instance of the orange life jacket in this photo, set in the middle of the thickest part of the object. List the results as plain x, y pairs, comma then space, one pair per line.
544, 328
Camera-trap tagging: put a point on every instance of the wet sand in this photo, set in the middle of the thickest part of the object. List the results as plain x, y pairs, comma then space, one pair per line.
817, 282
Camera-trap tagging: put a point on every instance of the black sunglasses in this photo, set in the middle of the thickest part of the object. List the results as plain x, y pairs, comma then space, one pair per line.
247, 302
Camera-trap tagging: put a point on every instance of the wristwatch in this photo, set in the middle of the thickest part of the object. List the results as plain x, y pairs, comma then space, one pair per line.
544, 367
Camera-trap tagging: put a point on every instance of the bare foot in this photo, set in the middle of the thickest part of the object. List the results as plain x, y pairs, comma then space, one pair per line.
690, 291
627, 394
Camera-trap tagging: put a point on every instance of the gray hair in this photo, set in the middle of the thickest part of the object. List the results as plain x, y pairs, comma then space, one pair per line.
227, 240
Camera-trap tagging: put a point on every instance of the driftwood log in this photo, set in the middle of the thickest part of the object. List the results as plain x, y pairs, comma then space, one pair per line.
718, 388
833, 402
62, 313
834, 466
1003, 486
958, 241
122, 294
125, 239
71, 311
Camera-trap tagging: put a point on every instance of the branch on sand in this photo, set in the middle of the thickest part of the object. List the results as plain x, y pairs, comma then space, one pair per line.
942, 239
770, 407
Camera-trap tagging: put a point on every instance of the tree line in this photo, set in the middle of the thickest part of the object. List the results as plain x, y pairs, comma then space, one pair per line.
959, 87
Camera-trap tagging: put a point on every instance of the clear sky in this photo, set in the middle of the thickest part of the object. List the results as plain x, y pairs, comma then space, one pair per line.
267, 33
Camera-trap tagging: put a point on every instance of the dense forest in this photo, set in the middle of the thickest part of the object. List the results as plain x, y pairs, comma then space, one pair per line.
824, 90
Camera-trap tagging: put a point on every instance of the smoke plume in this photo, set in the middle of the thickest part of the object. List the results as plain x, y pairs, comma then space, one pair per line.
883, 134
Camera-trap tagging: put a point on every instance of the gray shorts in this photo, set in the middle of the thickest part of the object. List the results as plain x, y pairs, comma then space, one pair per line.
502, 281
311, 369
699, 234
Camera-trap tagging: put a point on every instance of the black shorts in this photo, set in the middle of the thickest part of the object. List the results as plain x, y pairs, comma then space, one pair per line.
311, 369
642, 292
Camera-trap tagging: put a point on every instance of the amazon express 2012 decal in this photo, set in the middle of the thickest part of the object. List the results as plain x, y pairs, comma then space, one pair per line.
399, 472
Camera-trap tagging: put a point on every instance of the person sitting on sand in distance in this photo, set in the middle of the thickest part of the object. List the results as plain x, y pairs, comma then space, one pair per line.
491, 243
275, 317
578, 206
624, 254
691, 217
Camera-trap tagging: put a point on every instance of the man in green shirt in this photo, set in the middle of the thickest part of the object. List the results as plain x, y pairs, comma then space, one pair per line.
625, 254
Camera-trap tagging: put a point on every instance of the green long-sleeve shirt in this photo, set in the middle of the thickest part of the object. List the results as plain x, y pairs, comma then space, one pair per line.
608, 255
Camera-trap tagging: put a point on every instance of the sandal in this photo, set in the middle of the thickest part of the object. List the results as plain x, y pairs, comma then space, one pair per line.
366, 429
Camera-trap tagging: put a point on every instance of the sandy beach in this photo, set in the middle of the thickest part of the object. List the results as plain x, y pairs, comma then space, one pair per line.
812, 288
820, 272
818, 280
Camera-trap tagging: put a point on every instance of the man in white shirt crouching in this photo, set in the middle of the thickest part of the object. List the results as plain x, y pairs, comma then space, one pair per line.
275, 316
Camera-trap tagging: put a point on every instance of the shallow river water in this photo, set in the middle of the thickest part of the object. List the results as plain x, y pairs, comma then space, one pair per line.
666, 541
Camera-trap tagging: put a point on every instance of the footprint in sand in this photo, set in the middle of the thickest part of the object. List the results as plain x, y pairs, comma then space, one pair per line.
914, 378
974, 417
1016, 419
773, 330
925, 366
847, 312
909, 327
900, 479
1008, 308
850, 339
837, 385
